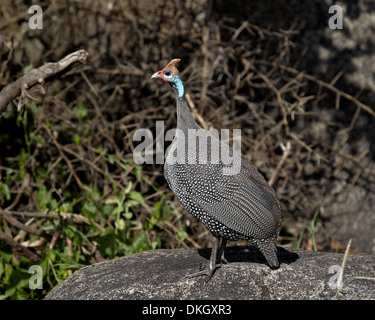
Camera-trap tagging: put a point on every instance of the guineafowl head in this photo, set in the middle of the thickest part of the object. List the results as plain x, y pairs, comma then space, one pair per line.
171, 75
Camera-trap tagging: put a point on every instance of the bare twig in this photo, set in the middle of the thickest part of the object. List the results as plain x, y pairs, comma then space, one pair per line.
195, 112
25, 184
60, 149
76, 217
286, 151
205, 38
24, 214
38, 76
323, 84
18, 247
20, 225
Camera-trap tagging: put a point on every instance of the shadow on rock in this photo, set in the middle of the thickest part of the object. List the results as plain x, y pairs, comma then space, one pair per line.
251, 254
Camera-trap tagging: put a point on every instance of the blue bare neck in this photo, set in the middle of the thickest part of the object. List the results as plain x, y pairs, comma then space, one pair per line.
178, 86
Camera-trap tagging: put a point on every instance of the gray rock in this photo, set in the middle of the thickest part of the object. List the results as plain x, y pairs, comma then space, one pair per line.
160, 274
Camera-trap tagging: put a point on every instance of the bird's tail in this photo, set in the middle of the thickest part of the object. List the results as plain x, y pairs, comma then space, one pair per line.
269, 250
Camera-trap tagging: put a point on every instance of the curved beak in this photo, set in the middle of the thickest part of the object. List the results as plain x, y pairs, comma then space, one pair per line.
157, 75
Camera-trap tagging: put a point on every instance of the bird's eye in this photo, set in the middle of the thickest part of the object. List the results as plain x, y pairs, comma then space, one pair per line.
168, 73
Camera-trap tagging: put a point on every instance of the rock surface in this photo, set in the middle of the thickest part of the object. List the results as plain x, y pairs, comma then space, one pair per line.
160, 274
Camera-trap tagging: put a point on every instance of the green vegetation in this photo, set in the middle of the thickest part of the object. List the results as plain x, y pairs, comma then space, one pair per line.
71, 219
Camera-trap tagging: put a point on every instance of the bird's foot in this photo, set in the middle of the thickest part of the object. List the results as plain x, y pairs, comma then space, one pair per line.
209, 272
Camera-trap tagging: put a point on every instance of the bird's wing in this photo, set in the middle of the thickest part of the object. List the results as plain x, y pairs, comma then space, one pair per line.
243, 202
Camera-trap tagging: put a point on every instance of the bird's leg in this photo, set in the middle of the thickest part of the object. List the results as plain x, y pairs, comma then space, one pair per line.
212, 266
221, 251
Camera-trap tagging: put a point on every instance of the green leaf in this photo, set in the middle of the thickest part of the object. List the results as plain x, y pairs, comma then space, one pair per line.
43, 197
81, 111
89, 210
120, 223
23, 157
111, 158
50, 227
36, 138
107, 210
182, 235
107, 243
156, 209
156, 244
152, 222
138, 173
34, 107
8, 293
130, 202
135, 195
22, 282
8, 273
42, 173
53, 204
69, 233
140, 242
76, 139
128, 214
66, 207
128, 187
165, 212
5, 190
93, 193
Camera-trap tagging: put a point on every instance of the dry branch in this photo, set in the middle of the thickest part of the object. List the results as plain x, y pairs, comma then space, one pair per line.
286, 151
329, 86
24, 214
20, 225
18, 247
76, 217
38, 76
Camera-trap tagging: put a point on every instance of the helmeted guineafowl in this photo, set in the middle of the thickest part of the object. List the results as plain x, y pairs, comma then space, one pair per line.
232, 200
